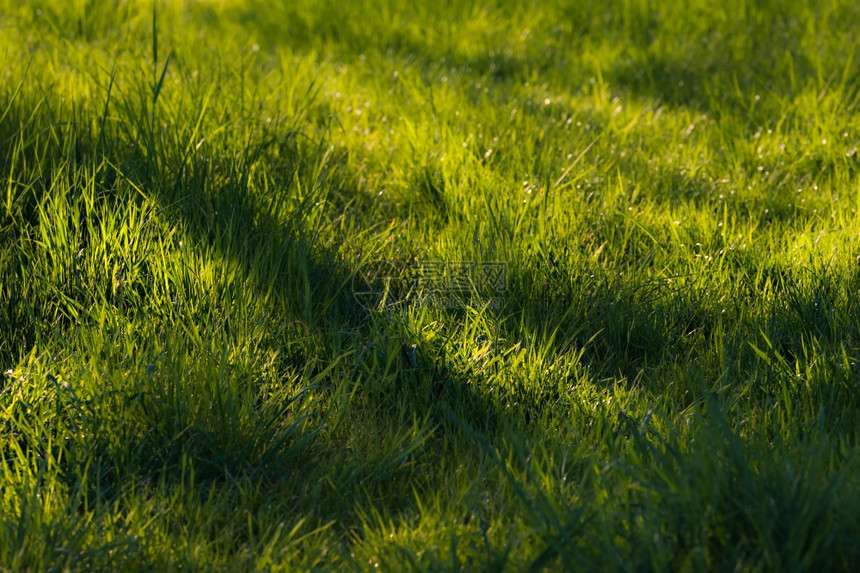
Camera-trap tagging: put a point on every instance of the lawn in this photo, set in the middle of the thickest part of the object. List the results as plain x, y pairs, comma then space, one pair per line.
471, 284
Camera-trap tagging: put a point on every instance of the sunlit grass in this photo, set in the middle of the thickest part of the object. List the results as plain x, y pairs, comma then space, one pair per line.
190, 196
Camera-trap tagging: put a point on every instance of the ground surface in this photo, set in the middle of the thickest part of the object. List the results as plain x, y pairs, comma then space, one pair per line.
639, 218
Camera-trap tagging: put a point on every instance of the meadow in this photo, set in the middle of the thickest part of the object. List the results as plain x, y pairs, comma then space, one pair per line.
219, 221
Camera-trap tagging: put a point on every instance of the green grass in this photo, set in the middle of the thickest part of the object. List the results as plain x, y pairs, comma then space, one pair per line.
190, 196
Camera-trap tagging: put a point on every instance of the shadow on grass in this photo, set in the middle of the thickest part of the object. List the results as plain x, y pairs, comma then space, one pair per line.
329, 403
715, 63
395, 391
774, 326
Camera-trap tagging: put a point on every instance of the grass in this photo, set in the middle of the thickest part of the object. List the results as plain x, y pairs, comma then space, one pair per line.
192, 191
